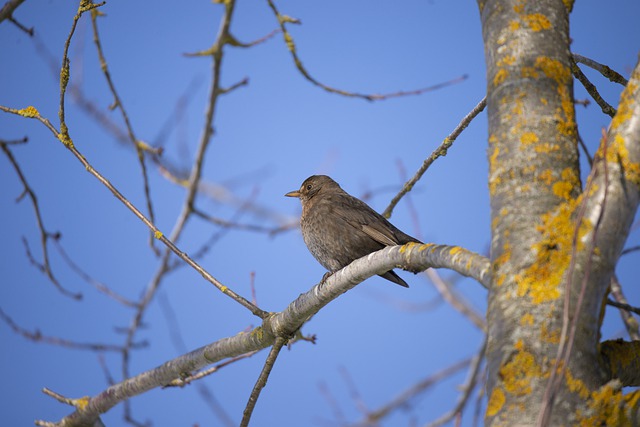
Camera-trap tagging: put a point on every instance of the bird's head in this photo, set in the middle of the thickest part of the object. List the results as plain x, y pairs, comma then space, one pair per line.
313, 185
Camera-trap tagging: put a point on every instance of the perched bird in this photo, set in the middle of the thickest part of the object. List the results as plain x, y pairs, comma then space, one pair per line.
339, 228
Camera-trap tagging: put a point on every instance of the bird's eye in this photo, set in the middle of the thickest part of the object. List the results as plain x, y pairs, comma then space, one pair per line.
309, 187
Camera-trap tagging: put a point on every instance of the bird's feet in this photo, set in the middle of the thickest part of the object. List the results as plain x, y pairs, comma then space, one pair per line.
325, 277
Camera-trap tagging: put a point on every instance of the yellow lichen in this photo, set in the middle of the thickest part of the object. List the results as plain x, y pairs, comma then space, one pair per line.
500, 76
157, 234
568, 4
29, 112
519, 371
502, 259
607, 407
537, 21
82, 402
455, 250
527, 319
289, 42
566, 121
562, 189
549, 335
407, 247
426, 246
617, 152
565, 187
66, 140
554, 69
576, 385
496, 402
546, 176
258, 333
546, 148
514, 25
625, 110
528, 138
542, 280
506, 60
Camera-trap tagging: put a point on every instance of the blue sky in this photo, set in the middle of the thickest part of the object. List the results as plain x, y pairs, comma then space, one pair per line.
270, 135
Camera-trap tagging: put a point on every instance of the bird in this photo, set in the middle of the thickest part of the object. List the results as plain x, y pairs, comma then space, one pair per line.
339, 228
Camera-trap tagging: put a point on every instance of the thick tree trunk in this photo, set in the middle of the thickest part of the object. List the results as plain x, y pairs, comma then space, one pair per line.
548, 234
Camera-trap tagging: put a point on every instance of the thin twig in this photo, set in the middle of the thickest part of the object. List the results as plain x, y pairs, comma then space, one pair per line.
29, 31
333, 403
609, 73
629, 250
585, 149
353, 391
37, 336
7, 13
236, 225
438, 152
101, 287
467, 388
284, 19
65, 71
624, 306
456, 300
33, 113
140, 147
401, 401
262, 380
592, 90
8, 8
23, 140
181, 382
631, 323
45, 265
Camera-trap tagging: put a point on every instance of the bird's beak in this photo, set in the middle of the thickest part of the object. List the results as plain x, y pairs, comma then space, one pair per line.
293, 194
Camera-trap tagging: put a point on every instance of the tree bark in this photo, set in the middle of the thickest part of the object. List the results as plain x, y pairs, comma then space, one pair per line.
554, 245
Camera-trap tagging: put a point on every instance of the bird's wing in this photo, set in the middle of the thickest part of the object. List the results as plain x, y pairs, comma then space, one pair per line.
380, 234
366, 219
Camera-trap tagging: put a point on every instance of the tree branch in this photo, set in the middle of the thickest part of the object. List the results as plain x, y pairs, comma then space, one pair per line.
284, 19
262, 380
31, 112
45, 265
438, 152
607, 72
283, 324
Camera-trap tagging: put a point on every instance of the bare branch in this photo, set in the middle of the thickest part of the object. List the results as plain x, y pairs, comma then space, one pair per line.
262, 380
101, 287
285, 323
31, 112
438, 152
181, 382
456, 300
37, 336
288, 39
45, 265
141, 147
629, 250
24, 140
7, 13
467, 388
403, 398
593, 91
9, 7
612, 75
